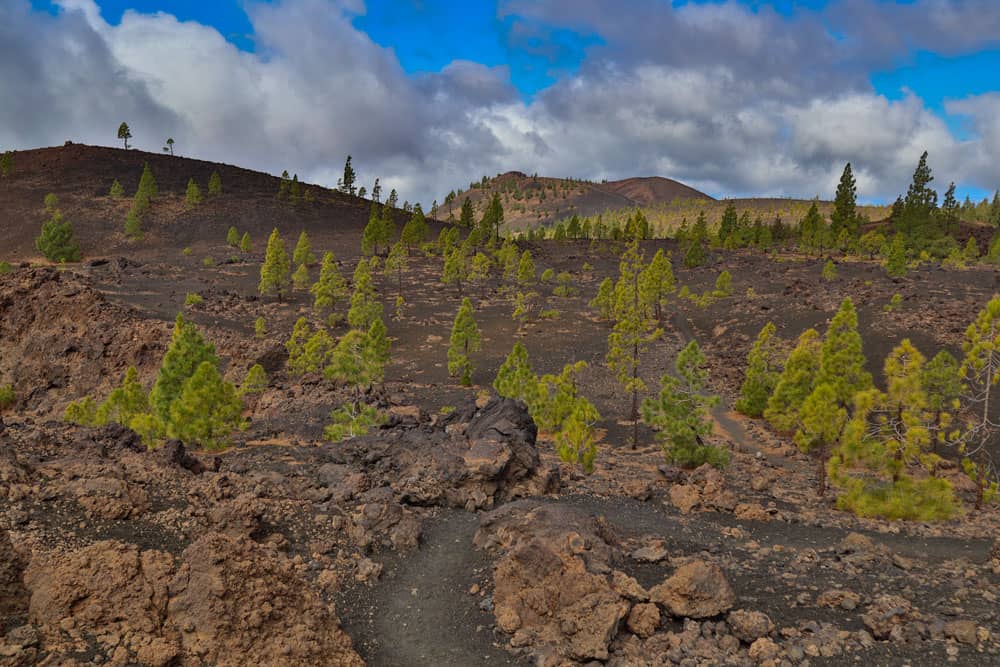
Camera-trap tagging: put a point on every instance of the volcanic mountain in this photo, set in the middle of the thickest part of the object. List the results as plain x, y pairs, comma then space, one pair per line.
532, 200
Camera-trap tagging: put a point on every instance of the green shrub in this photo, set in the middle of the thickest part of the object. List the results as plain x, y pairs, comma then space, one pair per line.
57, 241
208, 261
929, 500
193, 299
7, 396
894, 303
350, 421
5, 267
186, 252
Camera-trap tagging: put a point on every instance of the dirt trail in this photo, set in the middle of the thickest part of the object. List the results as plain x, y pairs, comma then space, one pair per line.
420, 613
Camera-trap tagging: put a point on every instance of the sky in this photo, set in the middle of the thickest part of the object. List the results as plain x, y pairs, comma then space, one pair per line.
733, 97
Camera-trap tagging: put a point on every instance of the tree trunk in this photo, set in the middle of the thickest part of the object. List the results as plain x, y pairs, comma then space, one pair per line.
821, 472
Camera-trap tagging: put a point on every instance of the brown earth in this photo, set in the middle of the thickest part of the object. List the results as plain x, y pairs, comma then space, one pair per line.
454, 534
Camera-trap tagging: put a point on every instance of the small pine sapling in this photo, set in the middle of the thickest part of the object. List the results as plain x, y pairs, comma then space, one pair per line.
465, 339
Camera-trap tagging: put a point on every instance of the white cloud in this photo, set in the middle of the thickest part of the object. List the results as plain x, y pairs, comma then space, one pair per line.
729, 100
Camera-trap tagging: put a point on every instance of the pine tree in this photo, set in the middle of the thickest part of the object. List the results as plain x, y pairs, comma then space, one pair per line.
117, 191
821, 421
133, 226
303, 251
493, 218
206, 411
365, 306
829, 272
126, 402
575, 442
694, 252
871, 243
353, 361
396, 262
516, 379
147, 190
842, 364
994, 212
193, 195
942, 384
727, 226
604, 302
526, 269
300, 279
214, 184
170, 145
255, 381
466, 218
723, 285
274, 276
657, 282
284, 185
57, 241
680, 412
812, 229
295, 190
479, 270
330, 288
124, 133
555, 397
245, 244
950, 210
348, 179
454, 269
971, 251
631, 334
465, 338
312, 355
917, 216
895, 264
295, 345
845, 213
415, 230
187, 351
372, 230
796, 382
980, 370
233, 237
761, 375
7, 164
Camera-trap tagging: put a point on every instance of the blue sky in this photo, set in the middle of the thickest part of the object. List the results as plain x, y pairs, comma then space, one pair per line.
566, 60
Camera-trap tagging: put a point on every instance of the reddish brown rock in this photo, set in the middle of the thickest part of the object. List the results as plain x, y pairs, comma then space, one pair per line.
696, 590
235, 602
643, 620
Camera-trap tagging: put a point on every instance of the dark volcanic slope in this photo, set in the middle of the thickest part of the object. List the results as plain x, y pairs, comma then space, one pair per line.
650, 190
81, 177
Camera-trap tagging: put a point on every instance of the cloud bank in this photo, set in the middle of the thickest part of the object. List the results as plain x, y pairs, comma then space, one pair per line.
730, 100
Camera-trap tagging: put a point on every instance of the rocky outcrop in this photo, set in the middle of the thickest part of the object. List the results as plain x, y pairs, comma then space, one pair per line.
13, 595
475, 458
110, 590
61, 339
553, 588
226, 601
697, 589
235, 602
